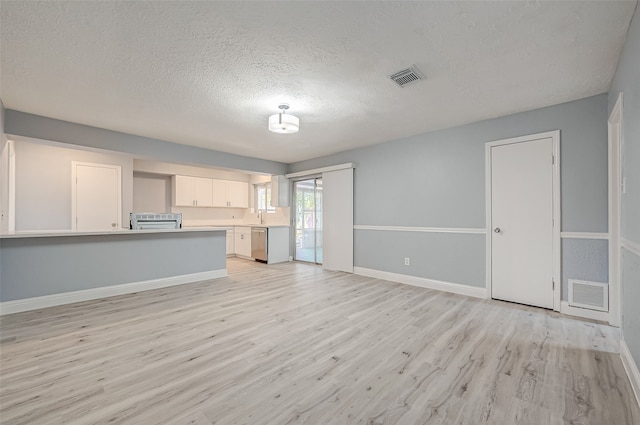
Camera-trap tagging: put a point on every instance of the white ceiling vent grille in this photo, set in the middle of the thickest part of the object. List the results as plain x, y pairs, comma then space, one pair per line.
591, 295
407, 76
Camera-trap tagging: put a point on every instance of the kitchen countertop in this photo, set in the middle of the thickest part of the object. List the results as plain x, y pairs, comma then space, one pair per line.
228, 226
60, 233
265, 226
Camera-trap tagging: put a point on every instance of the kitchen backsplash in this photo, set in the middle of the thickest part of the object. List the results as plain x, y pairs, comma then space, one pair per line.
199, 216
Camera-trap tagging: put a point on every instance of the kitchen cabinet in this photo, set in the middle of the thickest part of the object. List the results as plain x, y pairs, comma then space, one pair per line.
230, 249
233, 194
242, 241
280, 191
278, 244
238, 194
191, 191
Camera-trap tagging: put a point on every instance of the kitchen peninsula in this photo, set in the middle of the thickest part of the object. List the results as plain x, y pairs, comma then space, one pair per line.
42, 269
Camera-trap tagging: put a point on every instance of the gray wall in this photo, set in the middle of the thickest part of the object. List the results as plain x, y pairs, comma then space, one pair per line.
437, 179
43, 184
627, 81
3, 138
74, 263
35, 126
584, 259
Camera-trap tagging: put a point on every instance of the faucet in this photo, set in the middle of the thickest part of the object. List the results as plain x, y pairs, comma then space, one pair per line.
261, 216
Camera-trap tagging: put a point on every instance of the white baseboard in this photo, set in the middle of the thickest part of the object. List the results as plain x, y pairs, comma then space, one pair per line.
422, 282
35, 303
631, 367
584, 313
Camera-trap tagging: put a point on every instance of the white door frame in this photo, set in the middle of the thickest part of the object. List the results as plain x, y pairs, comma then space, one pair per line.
557, 276
8, 186
74, 190
615, 198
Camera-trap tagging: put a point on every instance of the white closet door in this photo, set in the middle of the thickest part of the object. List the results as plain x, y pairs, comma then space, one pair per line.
337, 217
522, 222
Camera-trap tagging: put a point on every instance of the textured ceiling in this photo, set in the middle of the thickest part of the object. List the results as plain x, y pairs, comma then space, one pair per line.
209, 74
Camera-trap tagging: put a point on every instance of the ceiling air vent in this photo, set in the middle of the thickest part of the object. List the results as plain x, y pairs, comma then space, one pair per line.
407, 76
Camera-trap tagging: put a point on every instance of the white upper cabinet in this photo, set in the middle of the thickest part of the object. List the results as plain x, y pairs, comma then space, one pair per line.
219, 193
191, 191
184, 191
203, 192
280, 190
238, 194
227, 193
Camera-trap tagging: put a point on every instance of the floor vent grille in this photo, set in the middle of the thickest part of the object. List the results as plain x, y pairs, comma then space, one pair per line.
591, 295
407, 76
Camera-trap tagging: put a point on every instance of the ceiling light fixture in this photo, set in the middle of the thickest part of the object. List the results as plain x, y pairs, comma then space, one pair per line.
283, 122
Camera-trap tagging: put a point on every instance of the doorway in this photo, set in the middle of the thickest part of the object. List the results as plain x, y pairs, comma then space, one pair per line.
95, 196
308, 220
523, 220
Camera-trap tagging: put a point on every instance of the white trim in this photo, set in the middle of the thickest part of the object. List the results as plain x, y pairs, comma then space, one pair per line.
12, 187
584, 313
35, 303
320, 170
74, 190
454, 288
8, 184
615, 209
479, 231
631, 246
557, 217
631, 368
584, 235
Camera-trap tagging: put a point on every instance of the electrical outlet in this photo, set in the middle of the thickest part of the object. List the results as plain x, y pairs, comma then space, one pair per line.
407, 261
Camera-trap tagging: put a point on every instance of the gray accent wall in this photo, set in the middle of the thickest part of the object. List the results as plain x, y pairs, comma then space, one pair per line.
584, 259
437, 179
630, 300
73, 263
449, 257
35, 126
627, 81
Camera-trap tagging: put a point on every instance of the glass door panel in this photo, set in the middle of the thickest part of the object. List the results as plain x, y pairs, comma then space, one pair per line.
308, 223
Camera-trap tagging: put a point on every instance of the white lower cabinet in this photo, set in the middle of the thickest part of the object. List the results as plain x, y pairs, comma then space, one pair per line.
242, 241
278, 247
230, 241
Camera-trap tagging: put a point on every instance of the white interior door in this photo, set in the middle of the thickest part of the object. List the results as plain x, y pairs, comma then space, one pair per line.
522, 219
96, 196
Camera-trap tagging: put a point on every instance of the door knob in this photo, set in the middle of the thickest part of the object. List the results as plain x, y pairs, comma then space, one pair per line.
497, 230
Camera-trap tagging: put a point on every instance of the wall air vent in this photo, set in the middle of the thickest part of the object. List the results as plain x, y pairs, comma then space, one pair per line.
407, 76
591, 295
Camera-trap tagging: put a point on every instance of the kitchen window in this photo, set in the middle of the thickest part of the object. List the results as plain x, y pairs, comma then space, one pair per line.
263, 197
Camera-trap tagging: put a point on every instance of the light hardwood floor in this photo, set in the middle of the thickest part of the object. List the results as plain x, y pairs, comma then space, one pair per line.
293, 344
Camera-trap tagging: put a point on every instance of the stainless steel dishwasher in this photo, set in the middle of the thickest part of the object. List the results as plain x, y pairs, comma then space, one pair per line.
259, 245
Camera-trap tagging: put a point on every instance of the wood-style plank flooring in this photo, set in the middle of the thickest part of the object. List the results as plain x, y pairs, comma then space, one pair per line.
293, 344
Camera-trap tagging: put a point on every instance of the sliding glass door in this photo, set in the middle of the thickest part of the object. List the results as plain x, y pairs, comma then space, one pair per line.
308, 231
